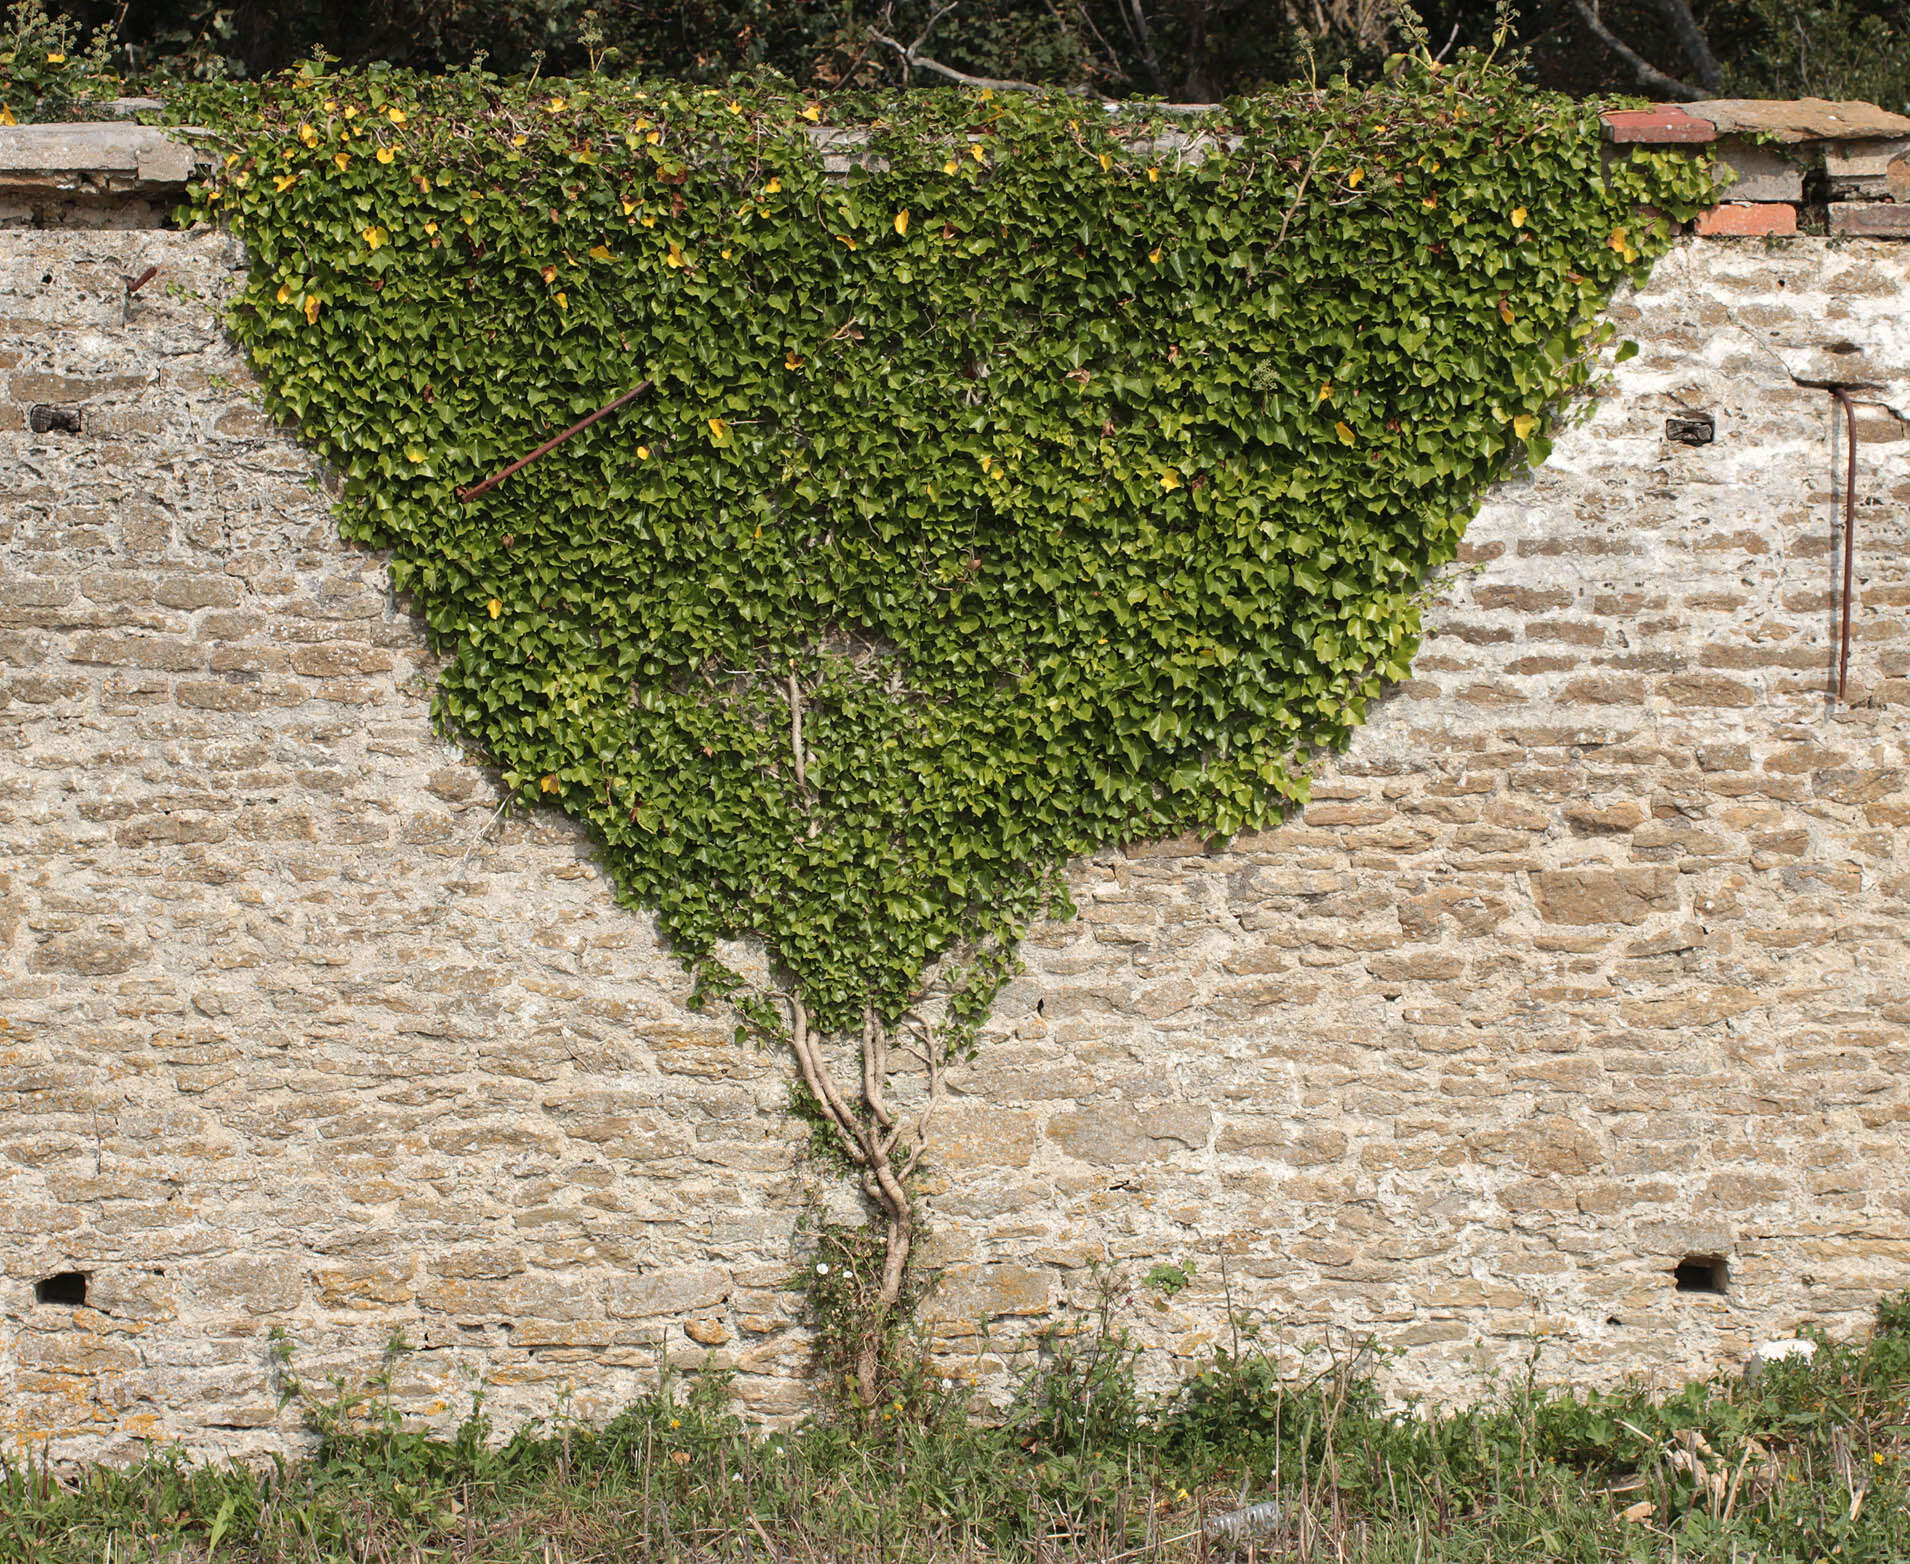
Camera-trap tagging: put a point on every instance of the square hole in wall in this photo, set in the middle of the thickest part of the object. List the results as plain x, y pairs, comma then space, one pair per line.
69, 1287
1702, 1273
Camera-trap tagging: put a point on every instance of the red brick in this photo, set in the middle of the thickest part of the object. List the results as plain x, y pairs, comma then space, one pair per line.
1663, 122
1738, 219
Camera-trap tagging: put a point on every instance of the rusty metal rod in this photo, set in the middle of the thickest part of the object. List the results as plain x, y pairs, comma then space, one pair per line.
144, 277
468, 495
1850, 532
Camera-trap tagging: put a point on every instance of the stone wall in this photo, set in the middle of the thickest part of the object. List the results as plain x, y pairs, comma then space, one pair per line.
1587, 958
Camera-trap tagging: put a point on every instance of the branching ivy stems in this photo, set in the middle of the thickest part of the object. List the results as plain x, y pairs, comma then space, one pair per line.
869, 1134
866, 1131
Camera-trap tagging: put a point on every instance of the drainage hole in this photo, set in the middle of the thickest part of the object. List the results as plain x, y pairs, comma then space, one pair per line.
1702, 1273
69, 1287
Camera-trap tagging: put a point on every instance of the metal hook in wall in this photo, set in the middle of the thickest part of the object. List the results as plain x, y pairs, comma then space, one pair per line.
1850, 534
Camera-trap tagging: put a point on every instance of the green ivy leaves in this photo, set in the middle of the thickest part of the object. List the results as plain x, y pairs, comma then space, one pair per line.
1051, 480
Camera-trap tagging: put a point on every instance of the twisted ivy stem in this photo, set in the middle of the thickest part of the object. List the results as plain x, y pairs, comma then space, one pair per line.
867, 1139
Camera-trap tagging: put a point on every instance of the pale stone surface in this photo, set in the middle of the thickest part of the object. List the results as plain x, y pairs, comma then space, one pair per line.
1762, 173
1588, 955
1801, 119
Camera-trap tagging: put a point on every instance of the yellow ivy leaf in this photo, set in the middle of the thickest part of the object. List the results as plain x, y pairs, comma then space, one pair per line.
902, 222
652, 139
1618, 241
342, 159
975, 151
374, 236
629, 207
950, 167
311, 309
285, 293
231, 158
56, 59
307, 135
518, 141
774, 186
848, 241
1518, 217
735, 108
1505, 312
649, 220
6, 116
549, 274
600, 252
1326, 392
563, 300
495, 607
430, 228
675, 257
1154, 255
385, 154
1106, 162
1429, 202
548, 784
396, 116
1524, 424
284, 182
643, 453
718, 429
1153, 176
812, 112
1344, 431
792, 361
1353, 179
555, 106
1170, 479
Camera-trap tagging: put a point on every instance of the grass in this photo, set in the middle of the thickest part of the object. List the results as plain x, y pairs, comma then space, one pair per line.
1811, 1463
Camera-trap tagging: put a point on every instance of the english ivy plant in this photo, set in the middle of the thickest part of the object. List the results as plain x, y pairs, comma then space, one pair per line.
1053, 479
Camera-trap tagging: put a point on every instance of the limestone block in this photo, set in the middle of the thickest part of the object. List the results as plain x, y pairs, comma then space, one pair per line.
1580, 896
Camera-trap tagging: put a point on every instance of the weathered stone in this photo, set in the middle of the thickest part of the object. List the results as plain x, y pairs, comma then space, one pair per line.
666, 1292
1800, 119
1118, 1135
969, 1293
1870, 219
1604, 895
1762, 173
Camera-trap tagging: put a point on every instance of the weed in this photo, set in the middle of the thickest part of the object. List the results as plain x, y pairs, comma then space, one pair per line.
1811, 1461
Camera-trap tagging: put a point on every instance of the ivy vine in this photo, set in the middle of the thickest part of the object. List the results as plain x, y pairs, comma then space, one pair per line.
1056, 477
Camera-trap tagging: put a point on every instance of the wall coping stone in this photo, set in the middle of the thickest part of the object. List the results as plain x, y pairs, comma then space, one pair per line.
116, 156
105, 151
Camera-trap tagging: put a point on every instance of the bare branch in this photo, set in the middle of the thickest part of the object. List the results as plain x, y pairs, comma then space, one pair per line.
928, 1054
794, 691
1692, 41
815, 1075
875, 1067
923, 62
1300, 194
1648, 74
1116, 72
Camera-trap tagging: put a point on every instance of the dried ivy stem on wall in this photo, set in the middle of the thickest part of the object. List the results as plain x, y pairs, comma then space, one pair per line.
1051, 481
